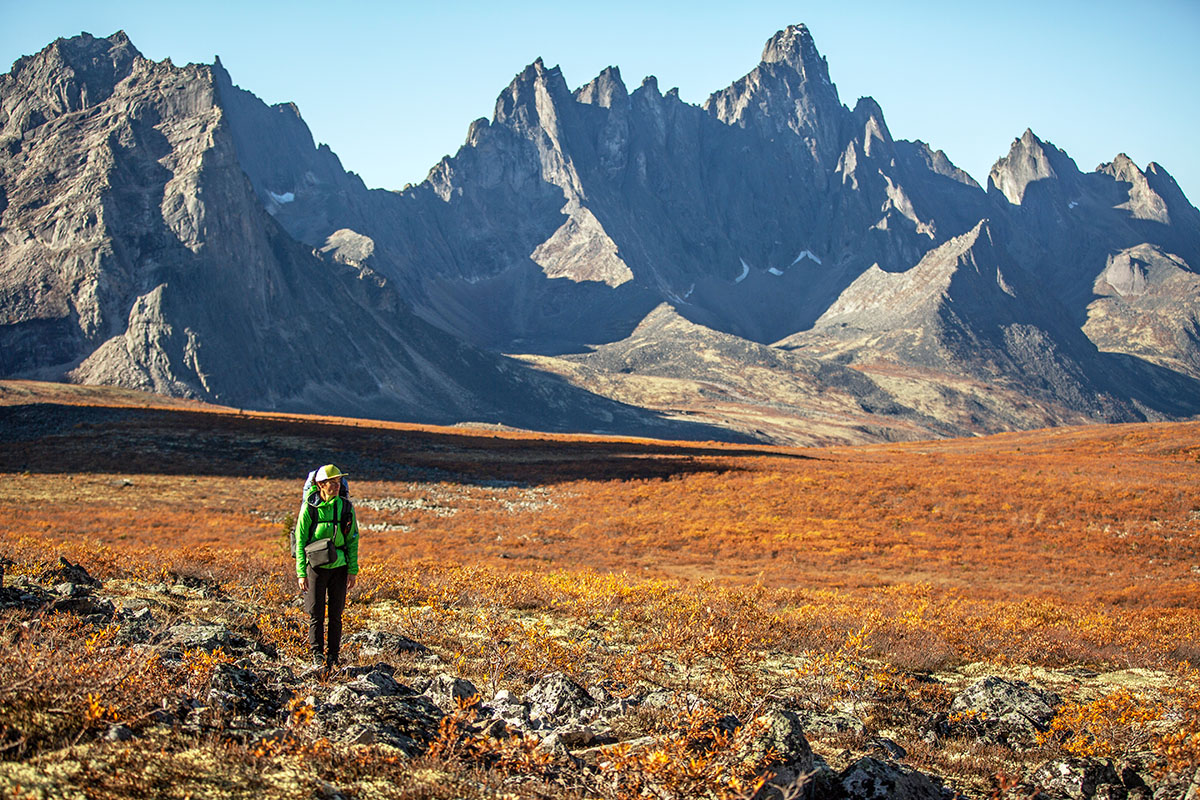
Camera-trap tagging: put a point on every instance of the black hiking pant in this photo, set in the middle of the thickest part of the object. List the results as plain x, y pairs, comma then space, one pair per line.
326, 588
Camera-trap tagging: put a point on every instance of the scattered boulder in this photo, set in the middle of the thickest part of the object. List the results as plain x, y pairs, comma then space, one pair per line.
407, 723
666, 698
783, 750
376, 683
1079, 779
887, 748
575, 736
374, 644
189, 636
239, 690
511, 712
558, 698
446, 690
871, 779
1002, 707
119, 733
24, 594
136, 627
935, 727
73, 574
161, 716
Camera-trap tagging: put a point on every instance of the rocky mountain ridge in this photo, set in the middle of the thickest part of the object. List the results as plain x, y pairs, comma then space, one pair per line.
773, 213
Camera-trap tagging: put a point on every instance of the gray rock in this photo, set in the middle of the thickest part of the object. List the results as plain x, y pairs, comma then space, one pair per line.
870, 779
1007, 706
119, 733
1079, 779
75, 574
665, 698
160, 716
90, 607
552, 743
408, 723
782, 735
358, 734
446, 691
574, 736
377, 683
200, 637
373, 644
887, 748
557, 697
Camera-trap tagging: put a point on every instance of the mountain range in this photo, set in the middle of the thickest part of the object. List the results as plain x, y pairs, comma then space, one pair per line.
771, 265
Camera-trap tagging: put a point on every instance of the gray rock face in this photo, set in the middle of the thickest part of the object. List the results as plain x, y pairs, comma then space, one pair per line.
162, 228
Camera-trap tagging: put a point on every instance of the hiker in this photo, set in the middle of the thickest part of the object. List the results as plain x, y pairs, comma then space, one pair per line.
326, 560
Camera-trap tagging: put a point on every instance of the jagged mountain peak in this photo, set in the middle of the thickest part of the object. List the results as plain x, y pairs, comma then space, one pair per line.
87, 51
868, 117
795, 47
605, 90
1144, 202
1029, 159
1122, 167
524, 97
67, 75
789, 92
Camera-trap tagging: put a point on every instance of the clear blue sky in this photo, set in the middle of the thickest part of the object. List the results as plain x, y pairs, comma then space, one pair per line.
392, 86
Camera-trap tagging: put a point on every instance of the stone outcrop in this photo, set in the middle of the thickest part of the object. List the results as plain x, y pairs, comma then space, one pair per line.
1004, 708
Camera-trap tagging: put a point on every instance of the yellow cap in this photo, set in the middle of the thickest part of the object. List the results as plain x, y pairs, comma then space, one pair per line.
329, 472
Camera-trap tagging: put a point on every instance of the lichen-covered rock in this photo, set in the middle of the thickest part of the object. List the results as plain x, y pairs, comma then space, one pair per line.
783, 736
446, 691
192, 636
1079, 779
373, 644
406, 723
558, 697
998, 707
871, 779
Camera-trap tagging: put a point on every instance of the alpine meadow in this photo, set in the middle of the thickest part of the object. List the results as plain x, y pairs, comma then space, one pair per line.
727, 450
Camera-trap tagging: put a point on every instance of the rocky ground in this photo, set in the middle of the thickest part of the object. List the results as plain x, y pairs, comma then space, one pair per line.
206, 701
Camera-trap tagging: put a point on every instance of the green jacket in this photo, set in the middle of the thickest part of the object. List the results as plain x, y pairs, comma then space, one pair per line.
321, 522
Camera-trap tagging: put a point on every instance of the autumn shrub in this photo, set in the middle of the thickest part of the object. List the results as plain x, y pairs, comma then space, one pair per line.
1115, 725
695, 756
61, 680
1180, 741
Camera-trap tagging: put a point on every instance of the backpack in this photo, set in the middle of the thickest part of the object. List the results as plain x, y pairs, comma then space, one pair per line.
310, 493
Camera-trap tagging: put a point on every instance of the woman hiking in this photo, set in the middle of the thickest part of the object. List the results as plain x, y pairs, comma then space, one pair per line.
326, 561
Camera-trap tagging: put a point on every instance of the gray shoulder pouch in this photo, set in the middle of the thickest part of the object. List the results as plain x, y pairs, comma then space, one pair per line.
320, 552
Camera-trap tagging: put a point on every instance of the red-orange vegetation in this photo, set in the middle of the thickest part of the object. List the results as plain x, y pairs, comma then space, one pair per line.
819, 576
